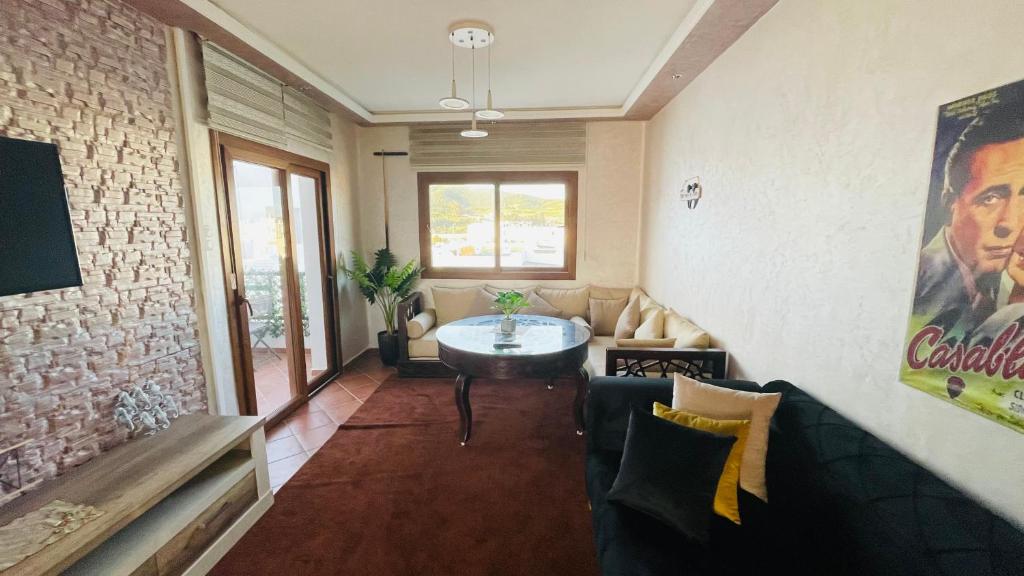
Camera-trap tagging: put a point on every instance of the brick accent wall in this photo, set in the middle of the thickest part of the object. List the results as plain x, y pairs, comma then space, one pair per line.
91, 76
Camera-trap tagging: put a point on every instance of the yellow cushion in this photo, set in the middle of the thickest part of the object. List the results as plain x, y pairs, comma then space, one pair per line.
727, 502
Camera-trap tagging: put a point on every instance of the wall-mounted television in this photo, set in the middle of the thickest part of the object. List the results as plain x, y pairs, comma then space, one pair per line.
37, 242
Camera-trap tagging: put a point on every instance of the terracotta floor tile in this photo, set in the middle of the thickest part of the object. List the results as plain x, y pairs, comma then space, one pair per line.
314, 438
278, 432
282, 470
308, 421
340, 413
362, 390
283, 448
333, 394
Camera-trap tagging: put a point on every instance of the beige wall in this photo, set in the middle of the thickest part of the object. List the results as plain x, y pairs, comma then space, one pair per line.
813, 138
609, 191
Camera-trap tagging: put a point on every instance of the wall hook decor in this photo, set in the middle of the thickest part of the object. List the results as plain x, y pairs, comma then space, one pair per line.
691, 192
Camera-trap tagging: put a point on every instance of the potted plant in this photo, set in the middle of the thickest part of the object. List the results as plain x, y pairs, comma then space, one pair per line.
509, 303
384, 284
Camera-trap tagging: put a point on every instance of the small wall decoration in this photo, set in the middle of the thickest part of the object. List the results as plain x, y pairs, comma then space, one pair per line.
691, 192
965, 337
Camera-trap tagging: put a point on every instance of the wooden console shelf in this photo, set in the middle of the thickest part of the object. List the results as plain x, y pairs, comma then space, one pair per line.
173, 503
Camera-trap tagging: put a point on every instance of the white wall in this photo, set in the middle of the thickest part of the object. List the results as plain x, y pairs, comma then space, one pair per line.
813, 138
609, 206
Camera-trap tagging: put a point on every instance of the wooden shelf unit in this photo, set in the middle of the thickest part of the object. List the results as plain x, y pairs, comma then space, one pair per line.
173, 503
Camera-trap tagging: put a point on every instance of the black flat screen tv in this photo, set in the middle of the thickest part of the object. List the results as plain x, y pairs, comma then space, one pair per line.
37, 242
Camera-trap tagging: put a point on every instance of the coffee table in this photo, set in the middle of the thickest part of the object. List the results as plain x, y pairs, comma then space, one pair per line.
542, 347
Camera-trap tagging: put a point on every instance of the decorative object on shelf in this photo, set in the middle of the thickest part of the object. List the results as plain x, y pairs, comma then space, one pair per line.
30, 533
384, 284
472, 34
508, 303
146, 408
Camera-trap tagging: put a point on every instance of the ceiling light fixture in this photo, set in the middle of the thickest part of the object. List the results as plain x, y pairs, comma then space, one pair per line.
453, 102
489, 113
473, 131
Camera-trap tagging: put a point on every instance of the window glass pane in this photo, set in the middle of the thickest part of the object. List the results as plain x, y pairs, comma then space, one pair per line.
532, 225
462, 225
302, 206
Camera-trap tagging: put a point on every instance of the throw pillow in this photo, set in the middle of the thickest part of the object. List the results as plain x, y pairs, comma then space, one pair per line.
629, 320
604, 314
727, 501
686, 333
722, 403
653, 327
451, 304
539, 307
644, 343
571, 301
418, 325
671, 472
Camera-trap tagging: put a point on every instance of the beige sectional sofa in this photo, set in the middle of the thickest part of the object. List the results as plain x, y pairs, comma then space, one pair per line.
632, 334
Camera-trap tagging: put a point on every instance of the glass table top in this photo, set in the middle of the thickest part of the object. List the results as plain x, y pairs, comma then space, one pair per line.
534, 335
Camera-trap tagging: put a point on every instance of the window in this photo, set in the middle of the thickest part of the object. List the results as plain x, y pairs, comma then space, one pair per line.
484, 225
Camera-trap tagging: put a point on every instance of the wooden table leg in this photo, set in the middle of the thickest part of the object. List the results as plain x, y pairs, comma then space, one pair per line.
582, 381
462, 402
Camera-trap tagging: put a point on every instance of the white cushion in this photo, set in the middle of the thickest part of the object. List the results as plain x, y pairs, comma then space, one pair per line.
425, 346
653, 326
686, 333
571, 301
582, 322
418, 325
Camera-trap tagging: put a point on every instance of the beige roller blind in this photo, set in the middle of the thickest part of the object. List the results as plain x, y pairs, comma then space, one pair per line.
305, 120
246, 102
509, 143
242, 100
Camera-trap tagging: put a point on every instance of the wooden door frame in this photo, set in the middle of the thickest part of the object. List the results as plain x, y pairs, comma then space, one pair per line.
225, 148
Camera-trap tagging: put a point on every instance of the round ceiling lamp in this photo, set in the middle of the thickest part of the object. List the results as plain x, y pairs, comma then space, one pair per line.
473, 131
453, 102
489, 113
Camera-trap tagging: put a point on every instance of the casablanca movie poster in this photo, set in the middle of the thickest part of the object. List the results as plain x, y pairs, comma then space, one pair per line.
965, 339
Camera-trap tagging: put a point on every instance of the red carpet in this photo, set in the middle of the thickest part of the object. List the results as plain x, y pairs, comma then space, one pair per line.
393, 492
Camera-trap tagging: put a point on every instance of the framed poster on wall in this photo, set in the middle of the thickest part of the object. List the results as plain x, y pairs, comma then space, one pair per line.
965, 337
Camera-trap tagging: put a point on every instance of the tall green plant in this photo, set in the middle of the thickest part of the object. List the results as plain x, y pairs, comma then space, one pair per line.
384, 283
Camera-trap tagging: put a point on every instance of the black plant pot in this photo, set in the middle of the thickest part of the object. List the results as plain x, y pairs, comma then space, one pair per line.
388, 346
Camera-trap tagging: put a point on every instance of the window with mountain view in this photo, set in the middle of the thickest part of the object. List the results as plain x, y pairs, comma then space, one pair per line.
498, 224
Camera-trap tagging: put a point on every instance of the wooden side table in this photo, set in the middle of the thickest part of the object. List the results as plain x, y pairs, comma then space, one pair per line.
542, 347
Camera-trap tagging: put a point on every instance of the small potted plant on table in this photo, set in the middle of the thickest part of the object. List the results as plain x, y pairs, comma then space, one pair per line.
509, 303
384, 284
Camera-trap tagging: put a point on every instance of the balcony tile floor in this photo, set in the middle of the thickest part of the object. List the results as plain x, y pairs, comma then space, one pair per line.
295, 439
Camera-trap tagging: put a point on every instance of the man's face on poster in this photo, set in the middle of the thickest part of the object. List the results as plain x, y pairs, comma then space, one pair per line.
986, 219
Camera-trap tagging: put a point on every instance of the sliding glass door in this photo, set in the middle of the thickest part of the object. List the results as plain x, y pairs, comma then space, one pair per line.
280, 278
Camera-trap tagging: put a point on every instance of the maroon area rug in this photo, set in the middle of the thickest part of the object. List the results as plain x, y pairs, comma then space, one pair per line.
393, 492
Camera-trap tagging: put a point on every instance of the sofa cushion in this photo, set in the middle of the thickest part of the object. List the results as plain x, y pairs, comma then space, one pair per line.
453, 304
571, 301
595, 353
629, 320
716, 402
686, 333
653, 324
425, 346
604, 314
540, 307
671, 472
418, 325
604, 293
885, 513
645, 342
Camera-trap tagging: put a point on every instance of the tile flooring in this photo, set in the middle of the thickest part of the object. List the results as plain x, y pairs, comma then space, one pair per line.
295, 439
271, 376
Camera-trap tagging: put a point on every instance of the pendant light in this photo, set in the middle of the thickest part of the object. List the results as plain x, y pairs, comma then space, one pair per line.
473, 131
489, 113
453, 102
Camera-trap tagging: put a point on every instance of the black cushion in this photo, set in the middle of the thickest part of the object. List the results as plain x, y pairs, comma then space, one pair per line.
671, 472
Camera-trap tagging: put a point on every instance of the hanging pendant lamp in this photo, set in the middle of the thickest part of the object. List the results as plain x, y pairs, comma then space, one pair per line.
489, 113
453, 102
473, 131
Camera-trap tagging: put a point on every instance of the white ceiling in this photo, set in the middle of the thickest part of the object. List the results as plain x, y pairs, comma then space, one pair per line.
394, 55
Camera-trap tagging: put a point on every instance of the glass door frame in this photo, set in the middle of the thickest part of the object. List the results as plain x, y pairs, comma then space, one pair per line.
226, 149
